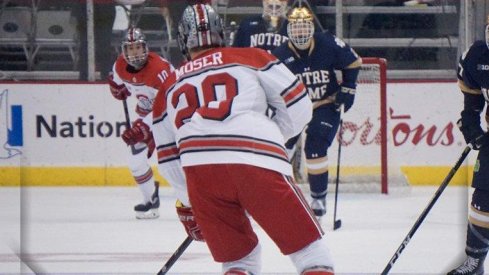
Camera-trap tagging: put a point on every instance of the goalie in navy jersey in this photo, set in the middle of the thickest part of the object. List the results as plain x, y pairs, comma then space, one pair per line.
266, 31
313, 57
473, 80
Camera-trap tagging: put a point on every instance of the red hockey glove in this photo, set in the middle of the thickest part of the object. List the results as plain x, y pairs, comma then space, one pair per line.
186, 216
120, 92
140, 132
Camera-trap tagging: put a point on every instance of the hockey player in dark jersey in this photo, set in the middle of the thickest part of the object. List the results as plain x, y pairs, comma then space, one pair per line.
266, 31
313, 57
473, 80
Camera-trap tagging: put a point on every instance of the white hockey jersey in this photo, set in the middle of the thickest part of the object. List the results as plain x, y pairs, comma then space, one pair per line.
212, 110
143, 84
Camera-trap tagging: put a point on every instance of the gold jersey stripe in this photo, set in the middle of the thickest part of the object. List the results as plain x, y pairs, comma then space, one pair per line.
478, 217
466, 88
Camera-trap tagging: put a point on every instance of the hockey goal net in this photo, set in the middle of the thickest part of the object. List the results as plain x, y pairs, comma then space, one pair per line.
363, 136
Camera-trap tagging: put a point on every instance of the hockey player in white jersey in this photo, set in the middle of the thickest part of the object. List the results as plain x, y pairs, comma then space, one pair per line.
138, 73
209, 118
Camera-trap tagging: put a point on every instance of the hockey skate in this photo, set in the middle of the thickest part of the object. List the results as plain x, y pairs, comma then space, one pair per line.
318, 206
471, 266
149, 210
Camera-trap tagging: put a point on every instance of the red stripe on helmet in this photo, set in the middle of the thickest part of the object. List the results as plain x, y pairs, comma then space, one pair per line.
202, 20
131, 35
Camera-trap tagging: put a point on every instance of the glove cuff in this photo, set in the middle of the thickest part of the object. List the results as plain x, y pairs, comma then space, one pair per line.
348, 90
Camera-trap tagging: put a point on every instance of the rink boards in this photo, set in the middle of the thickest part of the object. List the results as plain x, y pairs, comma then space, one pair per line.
69, 134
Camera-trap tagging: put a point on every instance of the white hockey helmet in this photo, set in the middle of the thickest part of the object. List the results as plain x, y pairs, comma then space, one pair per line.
200, 27
274, 8
300, 28
135, 48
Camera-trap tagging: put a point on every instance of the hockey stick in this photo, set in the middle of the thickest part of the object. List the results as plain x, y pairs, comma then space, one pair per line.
423, 215
337, 223
175, 256
134, 150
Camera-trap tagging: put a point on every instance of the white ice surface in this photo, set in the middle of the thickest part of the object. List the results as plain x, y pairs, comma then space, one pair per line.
72, 230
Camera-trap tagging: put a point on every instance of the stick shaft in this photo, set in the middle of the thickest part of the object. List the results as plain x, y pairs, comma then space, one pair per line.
175, 256
134, 150
425, 212
338, 171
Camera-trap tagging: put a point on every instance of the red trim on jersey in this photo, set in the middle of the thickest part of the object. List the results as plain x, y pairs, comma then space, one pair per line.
232, 143
167, 153
294, 93
148, 75
159, 104
145, 177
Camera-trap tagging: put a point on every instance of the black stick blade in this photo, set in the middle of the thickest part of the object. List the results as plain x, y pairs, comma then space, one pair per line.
337, 224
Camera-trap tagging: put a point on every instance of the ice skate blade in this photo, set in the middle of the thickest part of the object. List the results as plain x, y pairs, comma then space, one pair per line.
148, 215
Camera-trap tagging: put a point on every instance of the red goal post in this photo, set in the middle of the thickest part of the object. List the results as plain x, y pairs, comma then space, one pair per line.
375, 69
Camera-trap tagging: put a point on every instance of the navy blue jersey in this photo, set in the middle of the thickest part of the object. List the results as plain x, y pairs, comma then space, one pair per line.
473, 80
254, 32
315, 67
473, 71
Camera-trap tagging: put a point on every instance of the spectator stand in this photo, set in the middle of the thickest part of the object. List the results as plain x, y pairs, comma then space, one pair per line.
37, 37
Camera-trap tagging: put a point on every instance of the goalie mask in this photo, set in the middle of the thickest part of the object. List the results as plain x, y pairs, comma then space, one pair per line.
200, 27
135, 48
300, 28
273, 10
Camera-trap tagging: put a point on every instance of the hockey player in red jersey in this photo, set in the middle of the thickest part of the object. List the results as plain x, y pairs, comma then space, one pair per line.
210, 118
138, 73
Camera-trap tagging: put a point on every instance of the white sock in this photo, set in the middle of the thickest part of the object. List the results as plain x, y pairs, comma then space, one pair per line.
147, 189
